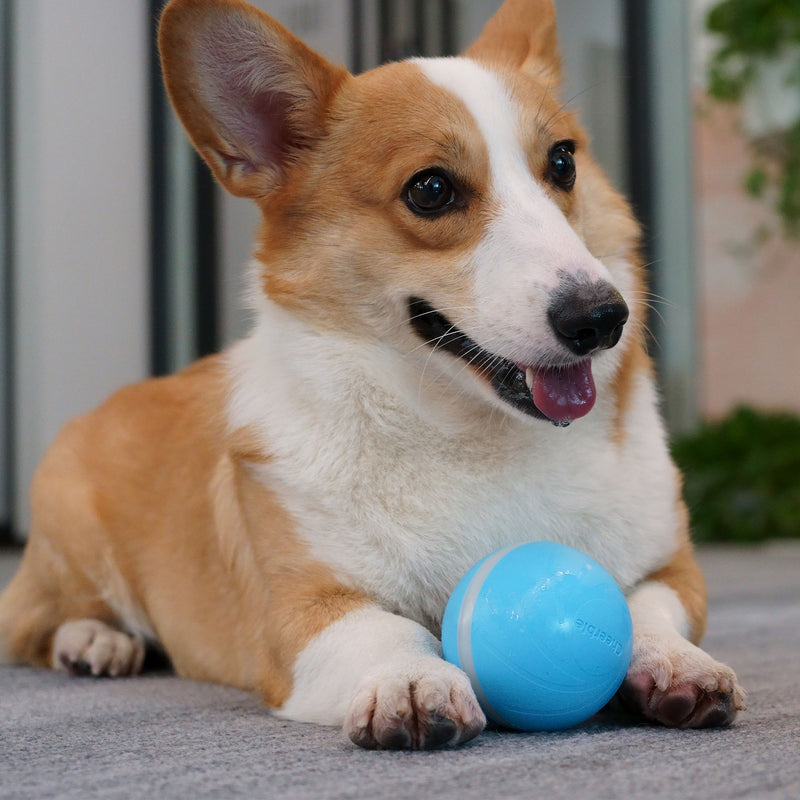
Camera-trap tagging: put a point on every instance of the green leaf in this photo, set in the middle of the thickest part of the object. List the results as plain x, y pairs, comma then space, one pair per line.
741, 477
756, 181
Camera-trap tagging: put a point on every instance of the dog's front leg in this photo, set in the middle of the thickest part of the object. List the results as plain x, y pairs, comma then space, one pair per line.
383, 678
671, 680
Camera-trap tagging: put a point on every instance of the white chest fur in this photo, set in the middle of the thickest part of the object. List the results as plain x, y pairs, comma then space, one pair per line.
401, 493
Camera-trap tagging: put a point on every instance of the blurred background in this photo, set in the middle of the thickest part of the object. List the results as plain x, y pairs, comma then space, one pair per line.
122, 259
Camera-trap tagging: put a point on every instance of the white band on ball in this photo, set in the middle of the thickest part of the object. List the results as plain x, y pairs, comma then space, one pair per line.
465, 632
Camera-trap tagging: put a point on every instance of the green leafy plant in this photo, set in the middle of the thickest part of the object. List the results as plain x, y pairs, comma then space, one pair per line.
742, 477
750, 31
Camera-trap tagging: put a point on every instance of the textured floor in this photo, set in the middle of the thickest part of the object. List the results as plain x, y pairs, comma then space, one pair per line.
158, 736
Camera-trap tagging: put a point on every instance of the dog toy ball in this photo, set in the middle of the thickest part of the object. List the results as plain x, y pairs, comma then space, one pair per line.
543, 632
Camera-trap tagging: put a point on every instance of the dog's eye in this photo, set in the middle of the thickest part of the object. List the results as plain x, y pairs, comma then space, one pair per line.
429, 192
561, 166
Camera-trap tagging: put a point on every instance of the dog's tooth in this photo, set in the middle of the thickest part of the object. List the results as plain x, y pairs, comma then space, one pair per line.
529, 377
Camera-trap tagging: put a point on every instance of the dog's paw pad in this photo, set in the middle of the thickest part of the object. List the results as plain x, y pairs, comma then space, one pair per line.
90, 647
682, 688
428, 707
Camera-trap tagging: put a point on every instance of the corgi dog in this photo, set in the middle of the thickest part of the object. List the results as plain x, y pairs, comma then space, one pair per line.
447, 358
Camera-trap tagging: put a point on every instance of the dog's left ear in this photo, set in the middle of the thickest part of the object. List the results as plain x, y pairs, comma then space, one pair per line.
521, 35
251, 96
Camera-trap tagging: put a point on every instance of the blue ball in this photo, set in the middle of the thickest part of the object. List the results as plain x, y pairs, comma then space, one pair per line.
543, 632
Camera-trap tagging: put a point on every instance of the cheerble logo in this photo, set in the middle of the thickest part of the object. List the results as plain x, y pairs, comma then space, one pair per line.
593, 632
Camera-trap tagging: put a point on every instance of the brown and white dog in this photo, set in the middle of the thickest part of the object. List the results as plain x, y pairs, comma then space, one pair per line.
441, 274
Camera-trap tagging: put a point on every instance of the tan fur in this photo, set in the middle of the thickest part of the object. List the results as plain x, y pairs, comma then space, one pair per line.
241, 171
367, 217
147, 492
522, 35
684, 576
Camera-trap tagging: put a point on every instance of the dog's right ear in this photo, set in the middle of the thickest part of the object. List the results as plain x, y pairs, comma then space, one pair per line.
521, 35
251, 95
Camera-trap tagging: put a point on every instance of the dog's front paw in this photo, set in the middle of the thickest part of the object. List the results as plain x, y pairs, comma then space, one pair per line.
680, 685
90, 647
429, 705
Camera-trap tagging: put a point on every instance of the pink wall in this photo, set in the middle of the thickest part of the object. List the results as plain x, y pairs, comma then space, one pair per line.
748, 295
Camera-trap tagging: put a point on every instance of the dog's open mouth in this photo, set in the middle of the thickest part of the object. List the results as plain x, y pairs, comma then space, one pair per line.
560, 394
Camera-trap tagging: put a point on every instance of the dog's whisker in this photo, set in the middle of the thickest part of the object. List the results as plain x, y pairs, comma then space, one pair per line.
421, 315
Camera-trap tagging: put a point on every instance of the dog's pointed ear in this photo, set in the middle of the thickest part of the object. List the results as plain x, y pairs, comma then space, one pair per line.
522, 35
251, 96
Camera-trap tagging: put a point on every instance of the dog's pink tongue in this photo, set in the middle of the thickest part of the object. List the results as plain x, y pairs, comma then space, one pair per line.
564, 393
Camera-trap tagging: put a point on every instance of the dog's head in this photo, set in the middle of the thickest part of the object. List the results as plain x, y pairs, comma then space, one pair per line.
445, 208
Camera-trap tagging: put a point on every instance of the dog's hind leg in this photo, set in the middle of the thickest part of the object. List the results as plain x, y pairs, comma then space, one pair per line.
27, 614
44, 625
50, 616
43, 595
62, 607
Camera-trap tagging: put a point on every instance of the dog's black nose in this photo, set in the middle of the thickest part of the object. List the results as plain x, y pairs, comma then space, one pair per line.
588, 316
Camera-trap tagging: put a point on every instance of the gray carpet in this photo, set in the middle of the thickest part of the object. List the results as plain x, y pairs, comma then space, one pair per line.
157, 736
